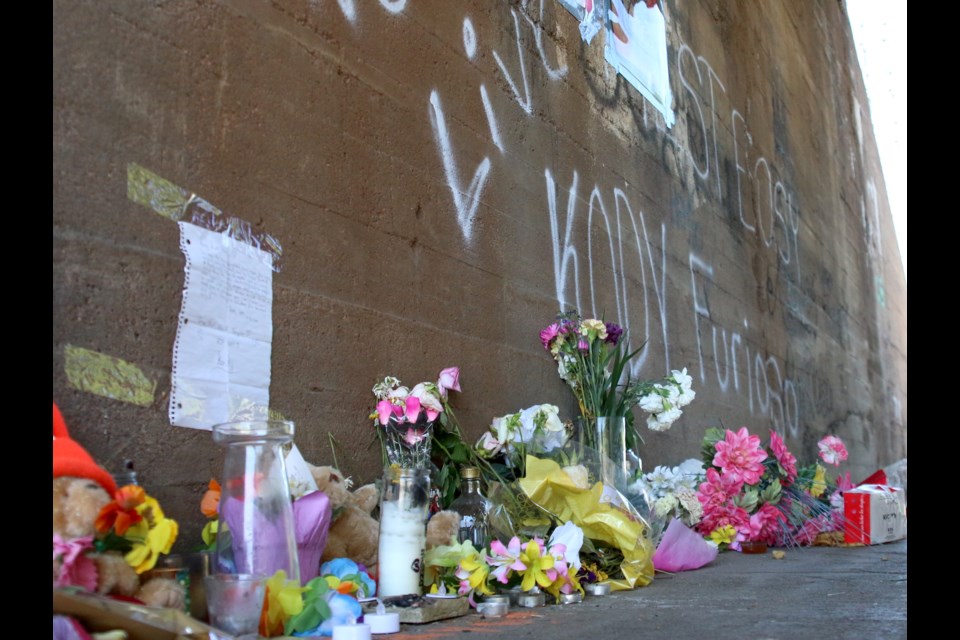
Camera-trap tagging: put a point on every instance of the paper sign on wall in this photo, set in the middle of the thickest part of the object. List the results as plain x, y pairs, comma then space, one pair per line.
637, 49
221, 356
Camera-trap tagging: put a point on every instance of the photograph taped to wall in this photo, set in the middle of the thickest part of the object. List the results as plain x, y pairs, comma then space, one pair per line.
637, 49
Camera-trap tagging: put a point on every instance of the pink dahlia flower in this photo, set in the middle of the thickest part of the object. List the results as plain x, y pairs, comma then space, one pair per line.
739, 455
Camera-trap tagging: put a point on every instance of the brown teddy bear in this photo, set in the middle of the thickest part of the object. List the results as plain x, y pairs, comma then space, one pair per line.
354, 533
81, 488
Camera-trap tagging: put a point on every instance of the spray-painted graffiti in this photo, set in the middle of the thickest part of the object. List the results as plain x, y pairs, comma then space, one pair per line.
465, 201
768, 391
627, 254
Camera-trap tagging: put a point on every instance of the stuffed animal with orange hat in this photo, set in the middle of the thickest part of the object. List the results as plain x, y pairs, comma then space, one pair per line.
90, 515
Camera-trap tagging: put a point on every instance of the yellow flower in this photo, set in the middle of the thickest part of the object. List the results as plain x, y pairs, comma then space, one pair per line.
282, 600
819, 482
152, 535
539, 569
724, 534
159, 539
474, 570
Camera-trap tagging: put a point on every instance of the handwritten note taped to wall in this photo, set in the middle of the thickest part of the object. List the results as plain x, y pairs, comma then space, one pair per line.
221, 357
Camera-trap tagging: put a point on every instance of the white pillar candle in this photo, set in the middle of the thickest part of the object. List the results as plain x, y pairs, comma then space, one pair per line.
403, 537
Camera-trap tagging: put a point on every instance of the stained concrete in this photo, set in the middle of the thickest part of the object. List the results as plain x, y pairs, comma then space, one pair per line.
812, 593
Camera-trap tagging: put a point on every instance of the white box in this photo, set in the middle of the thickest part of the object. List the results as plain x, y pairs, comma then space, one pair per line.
874, 514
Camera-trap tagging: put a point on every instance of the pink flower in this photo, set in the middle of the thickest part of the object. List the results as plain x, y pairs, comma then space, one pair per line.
505, 559
449, 380
844, 483
412, 409
718, 489
583, 345
784, 457
740, 455
385, 410
76, 568
548, 334
765, 524
832, 450
724, 514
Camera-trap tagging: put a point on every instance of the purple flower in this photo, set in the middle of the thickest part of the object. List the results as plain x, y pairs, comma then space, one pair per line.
583, 345
614, 333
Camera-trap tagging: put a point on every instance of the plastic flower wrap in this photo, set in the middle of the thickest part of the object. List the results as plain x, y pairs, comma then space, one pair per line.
536, 429
604, 515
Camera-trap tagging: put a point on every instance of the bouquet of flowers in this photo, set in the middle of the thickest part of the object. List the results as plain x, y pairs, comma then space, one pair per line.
759, 494
535, 563
592, 358
536, 429
405, 418
672, 492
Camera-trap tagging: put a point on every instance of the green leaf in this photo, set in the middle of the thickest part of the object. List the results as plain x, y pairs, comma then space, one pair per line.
771, 494
747, 500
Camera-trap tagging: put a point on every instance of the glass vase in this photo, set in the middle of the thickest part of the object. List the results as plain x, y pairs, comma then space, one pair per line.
256, 534
404, 508
607, 436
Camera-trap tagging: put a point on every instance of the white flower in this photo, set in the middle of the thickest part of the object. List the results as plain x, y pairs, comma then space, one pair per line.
571, 537
682, 378
688, 501
528, 423
664, 420
665, 505
428, 400
661, 478
399, 394
652, 402
673, 394
489, 444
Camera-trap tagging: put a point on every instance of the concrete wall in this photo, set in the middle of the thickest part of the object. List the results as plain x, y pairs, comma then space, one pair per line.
751, 242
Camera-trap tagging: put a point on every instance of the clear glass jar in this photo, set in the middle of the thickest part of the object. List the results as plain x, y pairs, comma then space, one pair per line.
473, 508
404, 508
256, 534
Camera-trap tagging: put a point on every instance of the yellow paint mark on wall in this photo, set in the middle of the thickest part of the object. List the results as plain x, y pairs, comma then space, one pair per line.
160, 195
107, 376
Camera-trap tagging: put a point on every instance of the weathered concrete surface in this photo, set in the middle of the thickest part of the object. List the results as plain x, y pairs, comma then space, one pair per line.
750, 243
812, 593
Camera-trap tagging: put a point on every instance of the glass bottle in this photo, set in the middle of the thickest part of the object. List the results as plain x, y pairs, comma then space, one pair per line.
473, 508
256, 534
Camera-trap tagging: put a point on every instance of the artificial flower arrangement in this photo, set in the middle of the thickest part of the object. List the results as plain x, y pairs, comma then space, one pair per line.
671, 492
592, 357
551, 565
326, 601
134, 524
758, 494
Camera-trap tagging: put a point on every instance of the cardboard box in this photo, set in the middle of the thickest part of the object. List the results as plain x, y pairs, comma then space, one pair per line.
874, 514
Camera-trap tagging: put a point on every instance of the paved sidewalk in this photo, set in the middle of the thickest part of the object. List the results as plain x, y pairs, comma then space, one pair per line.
812, 593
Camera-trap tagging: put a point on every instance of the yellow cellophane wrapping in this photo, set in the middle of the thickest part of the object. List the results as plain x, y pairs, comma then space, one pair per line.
549, 486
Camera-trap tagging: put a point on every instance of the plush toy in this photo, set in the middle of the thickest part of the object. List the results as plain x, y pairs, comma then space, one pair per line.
81, 488
355, 534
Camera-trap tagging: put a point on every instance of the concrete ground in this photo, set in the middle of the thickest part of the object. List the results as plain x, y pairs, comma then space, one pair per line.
812, 593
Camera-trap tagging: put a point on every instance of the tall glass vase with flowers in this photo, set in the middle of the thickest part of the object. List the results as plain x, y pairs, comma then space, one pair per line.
593, 357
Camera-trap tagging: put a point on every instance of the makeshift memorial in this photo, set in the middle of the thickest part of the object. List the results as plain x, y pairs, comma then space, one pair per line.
593, 358
101, 544
670, 493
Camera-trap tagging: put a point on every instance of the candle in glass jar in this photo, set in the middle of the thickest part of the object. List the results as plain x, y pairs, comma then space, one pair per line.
403, 536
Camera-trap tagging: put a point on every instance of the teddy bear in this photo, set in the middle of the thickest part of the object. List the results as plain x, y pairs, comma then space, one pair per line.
81, 488
355, 533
